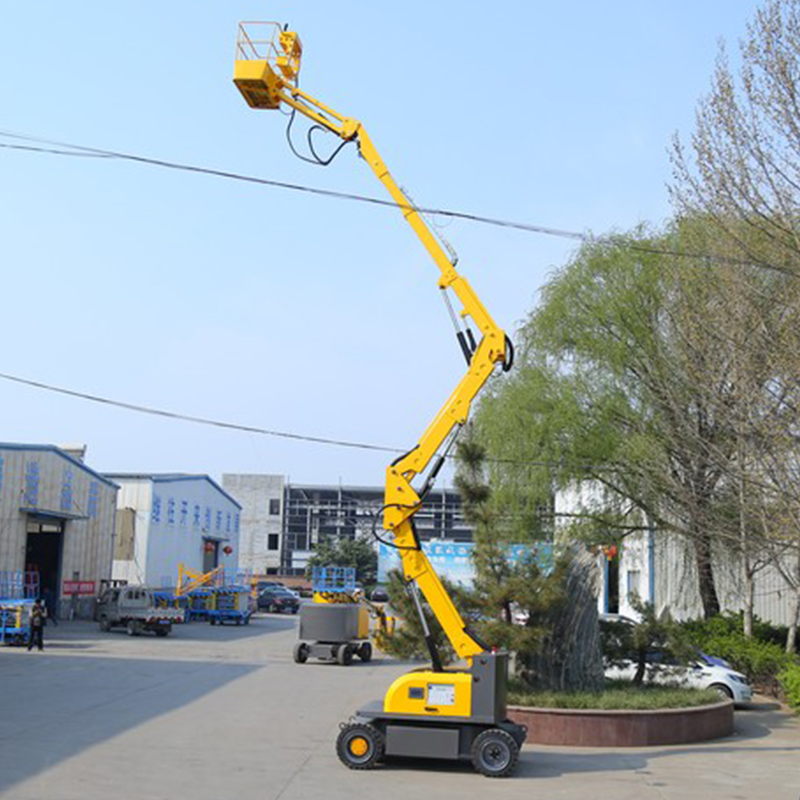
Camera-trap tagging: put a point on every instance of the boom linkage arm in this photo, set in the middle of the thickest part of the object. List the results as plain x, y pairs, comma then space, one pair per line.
401, 499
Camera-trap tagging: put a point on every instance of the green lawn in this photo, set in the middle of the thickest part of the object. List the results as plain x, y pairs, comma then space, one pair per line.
617, 695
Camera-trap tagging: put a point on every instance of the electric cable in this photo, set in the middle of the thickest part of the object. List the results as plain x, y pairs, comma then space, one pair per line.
451, 214
264, 431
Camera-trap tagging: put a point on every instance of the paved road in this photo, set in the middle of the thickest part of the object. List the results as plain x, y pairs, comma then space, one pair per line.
224, 713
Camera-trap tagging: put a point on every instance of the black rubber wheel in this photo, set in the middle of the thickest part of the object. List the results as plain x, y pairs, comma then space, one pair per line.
344, 654
133, 628
723, 691
365, 652
495, 753
359, 746
105, 625
162, 632
300, 653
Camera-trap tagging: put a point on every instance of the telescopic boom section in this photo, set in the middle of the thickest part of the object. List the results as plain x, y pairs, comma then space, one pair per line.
266, 74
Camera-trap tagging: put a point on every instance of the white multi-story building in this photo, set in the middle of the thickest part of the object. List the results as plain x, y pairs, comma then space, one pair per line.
164, 520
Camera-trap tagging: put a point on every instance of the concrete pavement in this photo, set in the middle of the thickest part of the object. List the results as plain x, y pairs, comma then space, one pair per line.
224, 712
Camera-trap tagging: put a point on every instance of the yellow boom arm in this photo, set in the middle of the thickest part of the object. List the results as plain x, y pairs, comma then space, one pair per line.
266, 74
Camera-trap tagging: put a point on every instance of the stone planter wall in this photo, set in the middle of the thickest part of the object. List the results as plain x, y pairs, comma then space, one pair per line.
594, 728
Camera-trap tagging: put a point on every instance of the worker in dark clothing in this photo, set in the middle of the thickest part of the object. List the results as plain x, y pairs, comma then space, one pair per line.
50, 605
38, 617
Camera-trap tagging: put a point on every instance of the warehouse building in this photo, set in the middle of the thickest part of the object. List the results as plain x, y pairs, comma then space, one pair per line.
57, 522
283, 522
164, 520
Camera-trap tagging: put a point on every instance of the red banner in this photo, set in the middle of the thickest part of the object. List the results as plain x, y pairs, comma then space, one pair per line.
78, 587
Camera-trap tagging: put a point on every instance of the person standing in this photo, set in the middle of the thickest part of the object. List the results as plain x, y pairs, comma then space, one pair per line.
50, 605
38, 616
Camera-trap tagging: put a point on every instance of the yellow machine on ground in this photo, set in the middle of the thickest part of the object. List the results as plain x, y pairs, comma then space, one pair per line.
433, 713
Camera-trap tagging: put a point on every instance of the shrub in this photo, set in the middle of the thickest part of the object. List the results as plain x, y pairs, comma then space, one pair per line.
760, 658
789, 680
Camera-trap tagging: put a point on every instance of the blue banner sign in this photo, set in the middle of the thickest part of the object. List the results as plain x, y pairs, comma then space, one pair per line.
453, 560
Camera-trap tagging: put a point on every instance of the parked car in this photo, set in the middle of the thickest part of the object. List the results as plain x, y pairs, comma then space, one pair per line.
261, 585
379, 595
701, 671
277, 598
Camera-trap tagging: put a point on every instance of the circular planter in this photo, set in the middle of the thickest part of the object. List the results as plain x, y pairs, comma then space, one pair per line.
598, 728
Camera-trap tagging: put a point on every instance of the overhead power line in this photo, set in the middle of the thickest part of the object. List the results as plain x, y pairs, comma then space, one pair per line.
251, 428
58, 148
199, 420
67, 149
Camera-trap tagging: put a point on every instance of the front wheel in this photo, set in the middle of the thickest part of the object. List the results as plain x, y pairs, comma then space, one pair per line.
495, 753
344, 654
723, 691
105, 625
133, 628
360, 746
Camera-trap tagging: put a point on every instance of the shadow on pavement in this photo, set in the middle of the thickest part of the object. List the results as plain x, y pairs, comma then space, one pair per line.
68, 704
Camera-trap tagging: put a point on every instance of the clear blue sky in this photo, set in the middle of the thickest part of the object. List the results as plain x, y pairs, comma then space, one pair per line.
288, 311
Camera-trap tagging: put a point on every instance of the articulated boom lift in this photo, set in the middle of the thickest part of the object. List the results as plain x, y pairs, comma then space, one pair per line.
457, 714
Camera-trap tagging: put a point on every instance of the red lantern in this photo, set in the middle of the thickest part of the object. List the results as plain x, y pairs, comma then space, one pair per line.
209, 547
610, 551
227, 549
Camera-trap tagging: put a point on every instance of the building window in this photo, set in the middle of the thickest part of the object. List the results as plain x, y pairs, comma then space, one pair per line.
633, 583
170, 511
274, 506
272, 541
196, 516
184, 512
156, 513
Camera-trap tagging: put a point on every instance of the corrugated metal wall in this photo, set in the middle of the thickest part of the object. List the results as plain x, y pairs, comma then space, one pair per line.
45, 481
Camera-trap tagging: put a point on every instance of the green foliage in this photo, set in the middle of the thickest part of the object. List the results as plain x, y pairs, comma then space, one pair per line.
654, 632
789, 681
408, 640
618, 695
358, 553
759, 658
732, 622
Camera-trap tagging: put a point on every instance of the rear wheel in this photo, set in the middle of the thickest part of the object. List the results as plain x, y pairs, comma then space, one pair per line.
359, 746
162, 631
495, 753
344, 654
300, 653
365, 652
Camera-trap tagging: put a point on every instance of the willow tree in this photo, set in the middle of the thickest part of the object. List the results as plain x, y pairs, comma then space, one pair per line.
622, 385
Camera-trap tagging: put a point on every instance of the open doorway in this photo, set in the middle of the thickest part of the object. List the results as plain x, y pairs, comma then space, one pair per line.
43, 550
612, 585
210, 555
